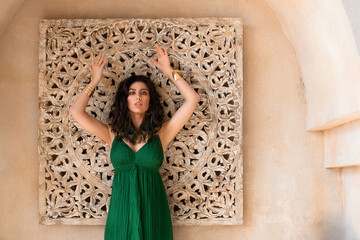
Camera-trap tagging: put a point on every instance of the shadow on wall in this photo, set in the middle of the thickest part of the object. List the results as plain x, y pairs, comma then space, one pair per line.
350, 233
333, 229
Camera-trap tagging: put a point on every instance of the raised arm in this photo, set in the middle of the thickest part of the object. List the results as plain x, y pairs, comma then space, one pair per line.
77, 110
170, 128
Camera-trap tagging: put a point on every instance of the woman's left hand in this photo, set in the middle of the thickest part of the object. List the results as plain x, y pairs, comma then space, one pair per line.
163, 63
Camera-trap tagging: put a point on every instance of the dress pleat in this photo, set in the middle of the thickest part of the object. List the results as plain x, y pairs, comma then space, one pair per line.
138, 208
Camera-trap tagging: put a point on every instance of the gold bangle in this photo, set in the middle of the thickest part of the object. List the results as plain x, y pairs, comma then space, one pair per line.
89, 90
175, 75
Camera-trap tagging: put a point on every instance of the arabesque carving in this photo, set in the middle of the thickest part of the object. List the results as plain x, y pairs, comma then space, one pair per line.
202, 170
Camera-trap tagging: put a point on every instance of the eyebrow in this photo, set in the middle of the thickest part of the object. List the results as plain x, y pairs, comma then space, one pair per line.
140, 89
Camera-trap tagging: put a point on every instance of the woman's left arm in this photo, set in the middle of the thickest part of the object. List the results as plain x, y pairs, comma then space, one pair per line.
170, 128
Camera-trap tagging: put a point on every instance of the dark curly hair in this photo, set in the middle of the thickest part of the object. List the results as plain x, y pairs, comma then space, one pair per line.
121, 122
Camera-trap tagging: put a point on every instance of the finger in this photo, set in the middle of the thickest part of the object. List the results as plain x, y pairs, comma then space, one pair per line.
102, 58
96, 58
159, 51
90, 69
154, 61
99, 58
165, 51
103, 64
92, 59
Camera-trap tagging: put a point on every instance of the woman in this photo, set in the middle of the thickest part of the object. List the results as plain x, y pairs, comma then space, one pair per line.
138, 206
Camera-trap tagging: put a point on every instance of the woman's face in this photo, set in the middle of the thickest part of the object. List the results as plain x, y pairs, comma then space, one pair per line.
138, 97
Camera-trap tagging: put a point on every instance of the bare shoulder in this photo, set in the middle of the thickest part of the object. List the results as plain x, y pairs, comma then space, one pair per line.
162, 130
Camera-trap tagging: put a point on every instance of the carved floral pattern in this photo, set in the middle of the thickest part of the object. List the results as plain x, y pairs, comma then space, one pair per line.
202, 170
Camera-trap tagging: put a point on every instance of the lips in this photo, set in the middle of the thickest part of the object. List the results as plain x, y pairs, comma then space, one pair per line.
138, 104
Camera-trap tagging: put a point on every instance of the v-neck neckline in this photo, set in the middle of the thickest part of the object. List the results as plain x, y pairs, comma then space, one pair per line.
141, 147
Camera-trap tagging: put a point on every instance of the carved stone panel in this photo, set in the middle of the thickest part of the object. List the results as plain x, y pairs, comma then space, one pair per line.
202, 171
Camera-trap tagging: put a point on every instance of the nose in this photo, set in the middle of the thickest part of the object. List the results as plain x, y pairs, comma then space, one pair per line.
138, 97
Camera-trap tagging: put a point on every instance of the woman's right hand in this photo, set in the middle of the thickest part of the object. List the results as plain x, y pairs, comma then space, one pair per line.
96, 68
78, 108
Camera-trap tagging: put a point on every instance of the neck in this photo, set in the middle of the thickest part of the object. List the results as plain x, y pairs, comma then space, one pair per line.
137, 118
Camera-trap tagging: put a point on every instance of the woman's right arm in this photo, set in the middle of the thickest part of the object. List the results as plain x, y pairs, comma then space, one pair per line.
77, 109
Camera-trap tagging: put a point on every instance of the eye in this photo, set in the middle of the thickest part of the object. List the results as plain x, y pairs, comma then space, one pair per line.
144, 93
131, 93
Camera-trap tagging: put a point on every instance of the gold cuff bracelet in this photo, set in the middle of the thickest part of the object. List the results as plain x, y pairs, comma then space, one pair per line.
175, 75
89, 90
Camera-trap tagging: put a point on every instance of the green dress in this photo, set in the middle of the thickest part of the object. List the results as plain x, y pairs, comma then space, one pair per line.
138, 208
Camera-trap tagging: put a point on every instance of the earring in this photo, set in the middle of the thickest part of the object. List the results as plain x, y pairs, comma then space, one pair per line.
131, 130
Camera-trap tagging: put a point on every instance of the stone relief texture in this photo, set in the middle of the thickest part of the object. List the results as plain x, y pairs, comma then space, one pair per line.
202, 171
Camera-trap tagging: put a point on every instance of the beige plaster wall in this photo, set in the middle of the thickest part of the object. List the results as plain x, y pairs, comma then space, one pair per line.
323, 39
341, 145
287, 192
8, 9
351, 182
